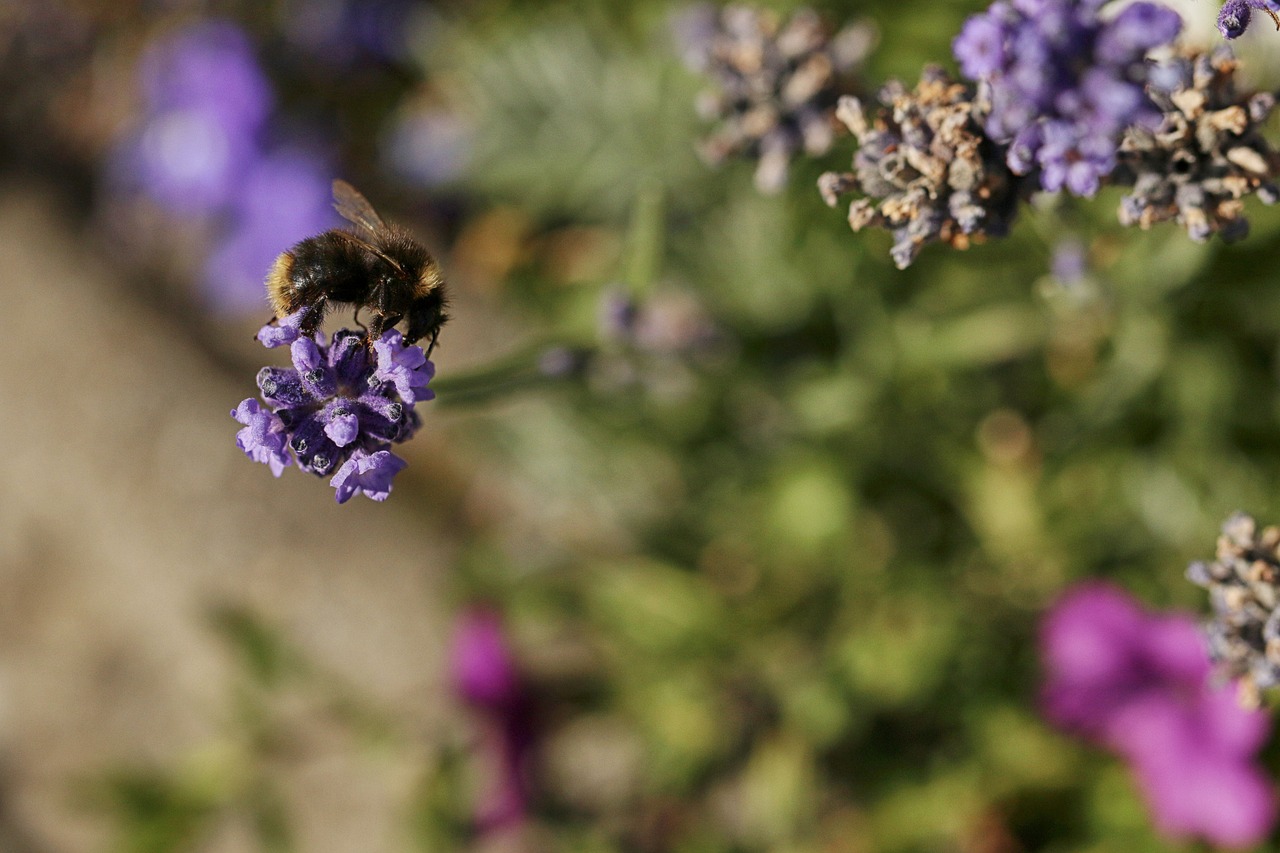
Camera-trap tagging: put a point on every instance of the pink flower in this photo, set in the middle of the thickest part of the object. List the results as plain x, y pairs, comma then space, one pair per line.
484, 672
486, 677
1139, 684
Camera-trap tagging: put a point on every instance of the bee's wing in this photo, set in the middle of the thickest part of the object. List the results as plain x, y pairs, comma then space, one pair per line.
368, 247
355, 208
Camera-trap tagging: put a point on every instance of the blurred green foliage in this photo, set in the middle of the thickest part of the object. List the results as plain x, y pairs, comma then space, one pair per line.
806, 584
784, 598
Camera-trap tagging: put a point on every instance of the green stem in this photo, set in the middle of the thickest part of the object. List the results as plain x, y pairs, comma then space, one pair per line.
645, 239
515, 372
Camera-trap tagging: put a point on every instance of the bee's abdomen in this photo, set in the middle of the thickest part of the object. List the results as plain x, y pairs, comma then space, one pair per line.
324, 267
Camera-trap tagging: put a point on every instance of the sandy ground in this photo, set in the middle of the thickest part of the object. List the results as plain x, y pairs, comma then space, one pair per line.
126, 515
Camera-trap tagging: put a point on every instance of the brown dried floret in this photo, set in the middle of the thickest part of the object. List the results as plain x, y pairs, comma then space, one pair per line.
1244, 591
1207, 154
775, 83
925, 167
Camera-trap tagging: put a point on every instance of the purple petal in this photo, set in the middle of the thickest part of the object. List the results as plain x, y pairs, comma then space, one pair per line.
1137, 29
263, 437
343, 429
1140, 684
366, 473
406, 367
979, 48
1192, 788
282, 333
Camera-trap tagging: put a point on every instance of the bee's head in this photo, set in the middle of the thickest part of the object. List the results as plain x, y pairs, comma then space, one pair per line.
426, 315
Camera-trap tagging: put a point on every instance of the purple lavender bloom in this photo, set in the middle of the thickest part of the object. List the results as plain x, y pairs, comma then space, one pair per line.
980, 47
207, 100
284, 197
209, 65
337, 410
1139, 684
1064, 84
1235, 15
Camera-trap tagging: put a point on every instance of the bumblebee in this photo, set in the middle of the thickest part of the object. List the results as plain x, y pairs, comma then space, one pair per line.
372, 265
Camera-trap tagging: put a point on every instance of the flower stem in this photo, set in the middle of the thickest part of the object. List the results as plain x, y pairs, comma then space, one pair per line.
510, 374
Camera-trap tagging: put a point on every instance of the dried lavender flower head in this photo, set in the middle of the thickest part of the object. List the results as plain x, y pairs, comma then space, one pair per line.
339, 408
926, 168
1235, 15
775, 83
1206, 155
1064, 82
1244, 590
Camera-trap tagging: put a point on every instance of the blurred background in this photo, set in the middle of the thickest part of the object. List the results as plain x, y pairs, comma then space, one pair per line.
722, 534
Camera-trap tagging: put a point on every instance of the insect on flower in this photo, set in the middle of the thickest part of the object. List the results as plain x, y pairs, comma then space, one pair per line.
374, 265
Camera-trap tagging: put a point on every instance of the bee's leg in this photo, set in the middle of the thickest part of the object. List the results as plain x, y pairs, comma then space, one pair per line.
355, 318
434, 337
379, 324
312, 317
383, 315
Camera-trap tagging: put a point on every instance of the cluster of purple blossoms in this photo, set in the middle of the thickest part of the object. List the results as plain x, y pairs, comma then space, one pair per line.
199, 150
205, 103
339, 408
1063, 83
1141, 685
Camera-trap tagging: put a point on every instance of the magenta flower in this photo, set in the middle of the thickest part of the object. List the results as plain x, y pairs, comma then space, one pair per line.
486, 677
1139, 684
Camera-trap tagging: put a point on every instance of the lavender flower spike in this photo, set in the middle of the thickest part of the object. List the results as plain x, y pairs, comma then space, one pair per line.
925, 168
774, 83
337, 411
1064, 84
1244, 591
1207, 155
